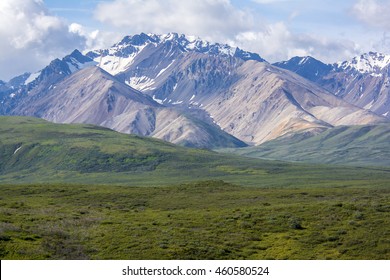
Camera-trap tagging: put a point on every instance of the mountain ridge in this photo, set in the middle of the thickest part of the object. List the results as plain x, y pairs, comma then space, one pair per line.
188, 91
108, 102
363, 81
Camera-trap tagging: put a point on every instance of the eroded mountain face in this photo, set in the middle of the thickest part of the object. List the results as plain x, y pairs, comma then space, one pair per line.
93, 96
185, 91
364, 81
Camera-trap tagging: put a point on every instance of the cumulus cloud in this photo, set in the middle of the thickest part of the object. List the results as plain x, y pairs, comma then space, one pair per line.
373, 12
210, 19
277, 43
31, 37
220, 21
269, 1
94, 39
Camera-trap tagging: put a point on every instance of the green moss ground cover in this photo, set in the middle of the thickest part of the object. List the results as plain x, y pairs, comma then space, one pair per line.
205, 220
85, 192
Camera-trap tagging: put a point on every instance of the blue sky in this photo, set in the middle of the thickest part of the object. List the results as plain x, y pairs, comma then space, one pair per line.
35, 31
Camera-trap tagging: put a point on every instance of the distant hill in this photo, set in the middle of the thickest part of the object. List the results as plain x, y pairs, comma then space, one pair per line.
352, 145
36, 151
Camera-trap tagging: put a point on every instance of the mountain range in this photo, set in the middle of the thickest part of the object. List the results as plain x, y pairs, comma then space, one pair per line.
364, 81
194, 93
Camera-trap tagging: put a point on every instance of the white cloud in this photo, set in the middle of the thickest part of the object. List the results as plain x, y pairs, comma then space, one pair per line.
269, 1
210, 19
374, 15
277, 43
268, 42
31, 37
95, 39
373, 12
220, 21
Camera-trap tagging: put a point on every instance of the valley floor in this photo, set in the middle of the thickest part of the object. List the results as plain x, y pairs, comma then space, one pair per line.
204, 220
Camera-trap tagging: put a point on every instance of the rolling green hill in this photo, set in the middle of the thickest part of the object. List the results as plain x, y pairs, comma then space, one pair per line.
367, 145
36, 151
85, 192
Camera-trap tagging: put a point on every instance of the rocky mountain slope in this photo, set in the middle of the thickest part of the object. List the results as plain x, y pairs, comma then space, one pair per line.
307, 67
93, 96
147, 50
235, 91
35, 85
273, 102
183, 90
364, 81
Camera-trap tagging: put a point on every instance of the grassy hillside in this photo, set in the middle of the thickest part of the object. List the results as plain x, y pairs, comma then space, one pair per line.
351, 145
36, 151
33, 150
84, 192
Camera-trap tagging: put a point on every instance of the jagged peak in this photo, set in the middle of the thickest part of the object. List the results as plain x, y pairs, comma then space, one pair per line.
367, 63
136, 40
135, 43
76, 52
76, 57
301, 60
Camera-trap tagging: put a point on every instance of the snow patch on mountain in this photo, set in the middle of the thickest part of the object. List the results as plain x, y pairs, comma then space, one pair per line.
120, 56
164, 69
160, 101
369, 105
303, 60
141, 83
75, 65
32, 77
369, 63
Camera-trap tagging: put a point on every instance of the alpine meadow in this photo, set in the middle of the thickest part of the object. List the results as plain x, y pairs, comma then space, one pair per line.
167, 146
83, 192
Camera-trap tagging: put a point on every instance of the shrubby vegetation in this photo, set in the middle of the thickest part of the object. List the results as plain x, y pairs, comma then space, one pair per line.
205, 220
84, 192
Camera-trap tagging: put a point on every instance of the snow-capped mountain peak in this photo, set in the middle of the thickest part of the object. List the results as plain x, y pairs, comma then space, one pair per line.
68, 65
196, 44
77, 61
369, 63
121, 56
